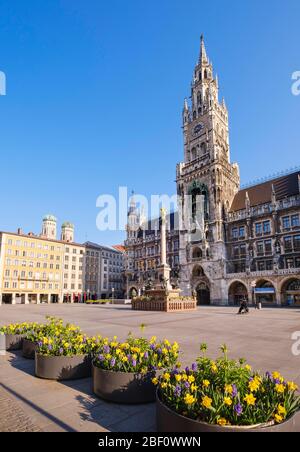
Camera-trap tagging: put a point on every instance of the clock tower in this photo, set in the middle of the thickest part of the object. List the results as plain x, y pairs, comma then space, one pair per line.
206, 184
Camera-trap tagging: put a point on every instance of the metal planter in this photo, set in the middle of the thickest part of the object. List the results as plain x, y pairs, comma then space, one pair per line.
121, 387
13, 341
62, 367
29, 348
169, 421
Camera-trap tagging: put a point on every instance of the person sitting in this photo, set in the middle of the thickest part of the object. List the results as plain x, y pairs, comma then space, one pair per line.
244, 306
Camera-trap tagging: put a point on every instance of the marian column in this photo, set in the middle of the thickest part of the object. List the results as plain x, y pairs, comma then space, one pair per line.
163, 238
164, 269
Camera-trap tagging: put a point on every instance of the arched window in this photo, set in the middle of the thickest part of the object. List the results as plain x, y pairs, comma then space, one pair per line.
199, 98
188, 156
203, 148
194, 115
197, 253
194, 153
205, 73
196, 191
198, 271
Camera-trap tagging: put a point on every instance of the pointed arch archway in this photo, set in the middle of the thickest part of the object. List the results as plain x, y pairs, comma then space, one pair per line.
290, 292
201, 286
203, 294
265, 292
237, 291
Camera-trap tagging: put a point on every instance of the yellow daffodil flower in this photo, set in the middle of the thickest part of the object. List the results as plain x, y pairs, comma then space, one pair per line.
292, 386
206, 402
222, 422
250, 399
189, 399
227, 401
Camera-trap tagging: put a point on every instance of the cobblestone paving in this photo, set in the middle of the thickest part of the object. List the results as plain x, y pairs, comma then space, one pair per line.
28, 403
12, 417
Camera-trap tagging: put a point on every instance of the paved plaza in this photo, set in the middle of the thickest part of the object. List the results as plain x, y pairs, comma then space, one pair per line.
263, 337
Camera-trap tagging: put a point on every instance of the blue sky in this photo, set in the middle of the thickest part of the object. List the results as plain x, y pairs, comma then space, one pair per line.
95, 92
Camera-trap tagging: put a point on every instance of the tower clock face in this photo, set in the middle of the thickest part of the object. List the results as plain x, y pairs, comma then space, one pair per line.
198, 128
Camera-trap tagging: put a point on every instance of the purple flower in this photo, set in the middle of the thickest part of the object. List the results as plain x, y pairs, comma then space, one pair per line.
174, 372
238, 409
177, 391
113, 362
106, 349
146, 355
186, 384
61, 351
134, 363
234, 391
194, 367
49, 347
40, 344
101, 358
268, 375
159, 351
187, 369
277, 381
152, 346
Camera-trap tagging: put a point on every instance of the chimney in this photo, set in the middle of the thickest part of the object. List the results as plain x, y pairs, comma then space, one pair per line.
20, 231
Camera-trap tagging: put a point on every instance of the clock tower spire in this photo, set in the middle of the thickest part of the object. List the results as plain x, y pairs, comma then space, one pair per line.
205, 171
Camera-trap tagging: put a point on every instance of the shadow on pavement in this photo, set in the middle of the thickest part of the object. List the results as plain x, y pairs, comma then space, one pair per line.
38, 409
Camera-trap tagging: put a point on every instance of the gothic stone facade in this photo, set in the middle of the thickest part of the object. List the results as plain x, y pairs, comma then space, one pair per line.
143, 251
250, 240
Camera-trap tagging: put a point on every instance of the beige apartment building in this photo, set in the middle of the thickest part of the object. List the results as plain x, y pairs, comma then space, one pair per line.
40, 268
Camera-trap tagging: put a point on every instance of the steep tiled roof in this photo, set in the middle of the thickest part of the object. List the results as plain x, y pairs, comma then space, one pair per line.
284, 187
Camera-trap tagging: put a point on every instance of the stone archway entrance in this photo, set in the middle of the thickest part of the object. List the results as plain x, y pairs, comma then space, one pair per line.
265, 293
133, 292
290, 292
203, 295
237, 291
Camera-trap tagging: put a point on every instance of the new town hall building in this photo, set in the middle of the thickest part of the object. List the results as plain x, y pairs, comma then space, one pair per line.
250, 241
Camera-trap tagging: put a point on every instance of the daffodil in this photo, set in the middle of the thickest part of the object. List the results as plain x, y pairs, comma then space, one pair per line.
278, 418
222, 422
281, 410
250, 399
279, 388
191, 379
189, 399
227, 401
292, 386
206, 402
228, 389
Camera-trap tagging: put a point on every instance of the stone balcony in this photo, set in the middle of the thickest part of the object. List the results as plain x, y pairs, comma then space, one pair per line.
264, 209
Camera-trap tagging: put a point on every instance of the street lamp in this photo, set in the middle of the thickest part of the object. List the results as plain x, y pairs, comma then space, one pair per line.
112, 293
